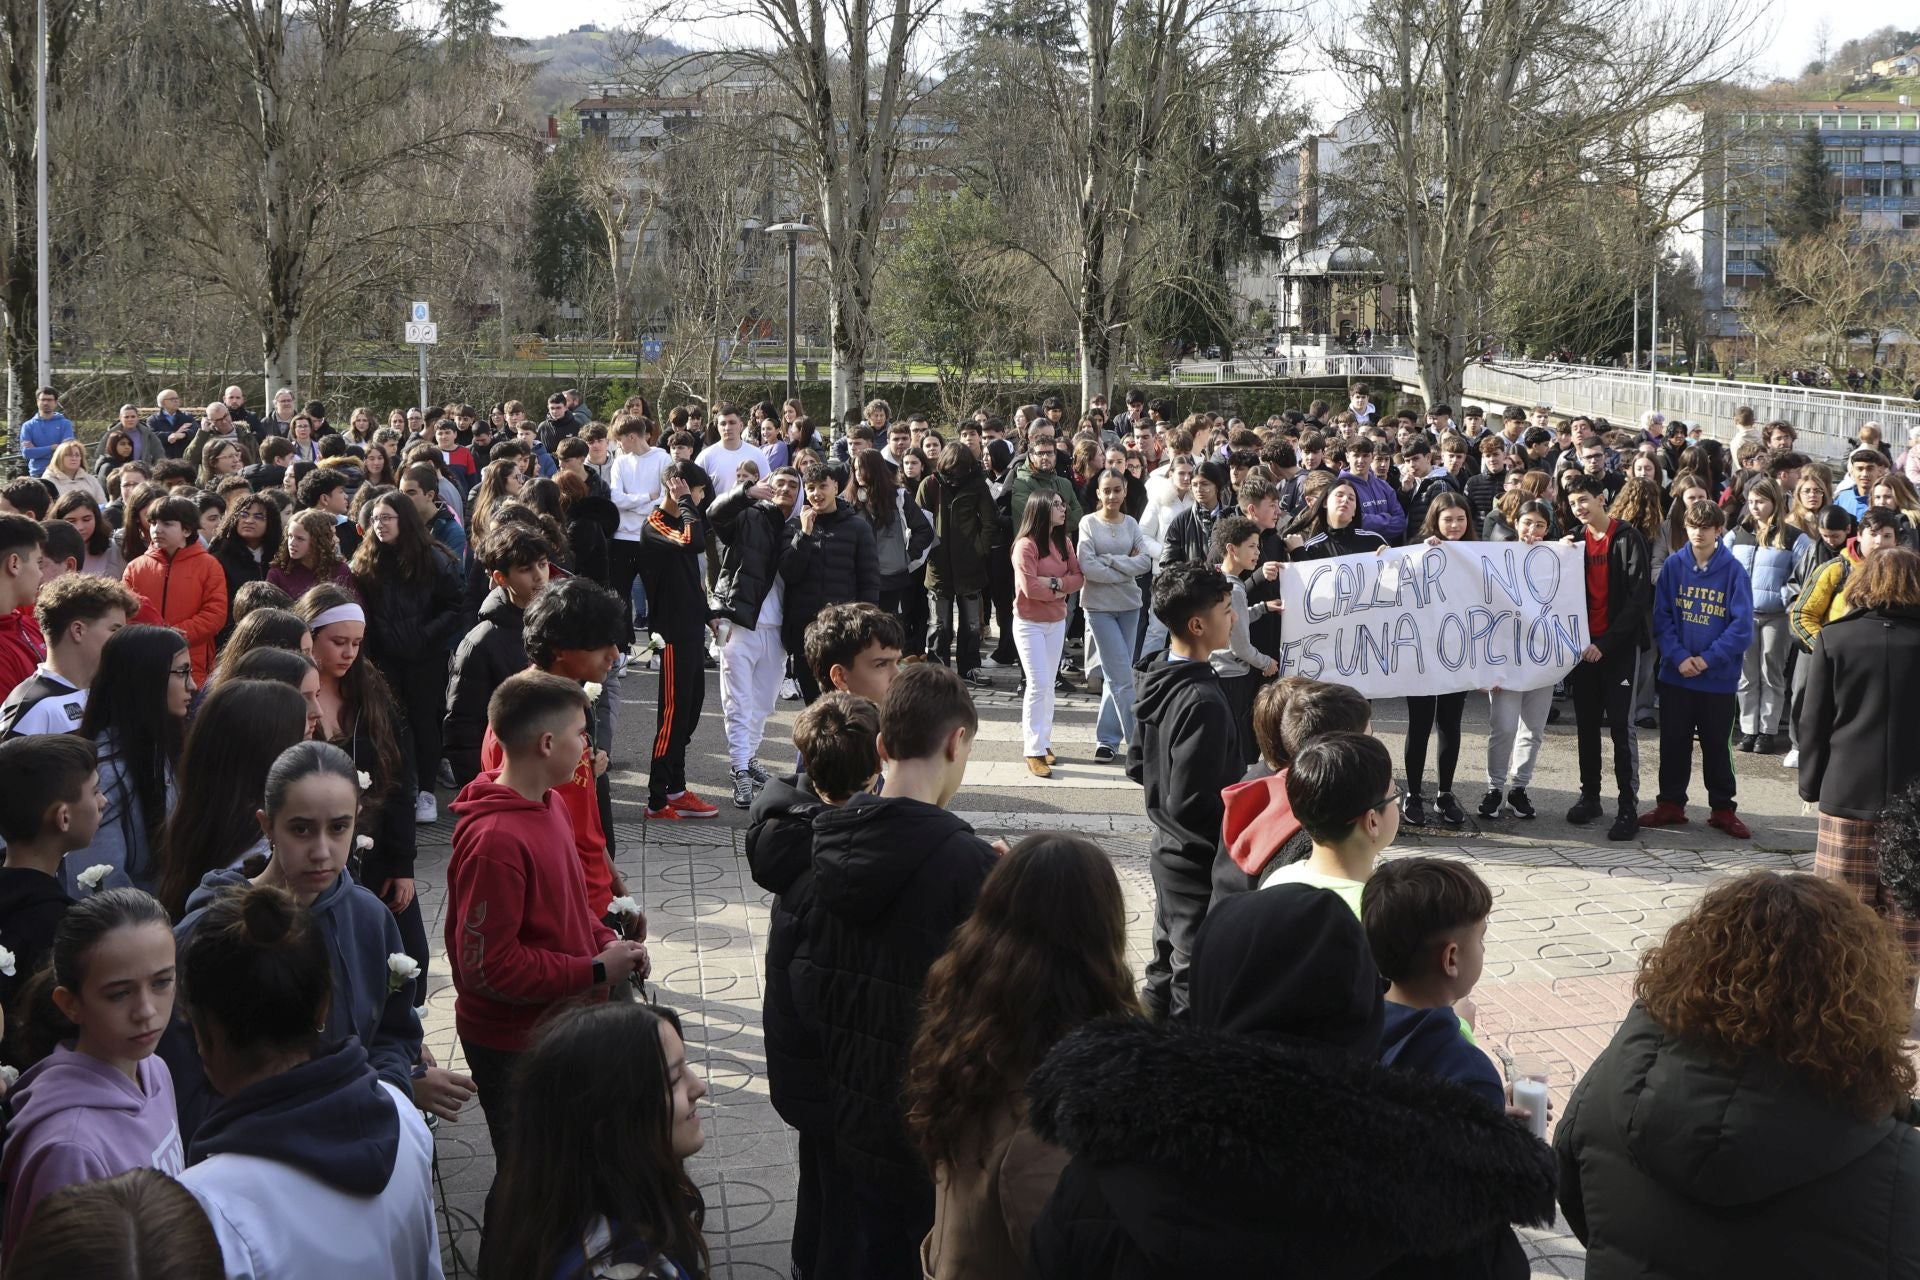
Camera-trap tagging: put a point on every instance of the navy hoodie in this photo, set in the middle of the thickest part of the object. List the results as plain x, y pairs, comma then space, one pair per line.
1703, 611
1185, 754
327, 1117
1432, 1042
360, 934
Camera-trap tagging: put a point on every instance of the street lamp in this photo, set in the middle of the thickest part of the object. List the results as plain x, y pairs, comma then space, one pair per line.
792, 231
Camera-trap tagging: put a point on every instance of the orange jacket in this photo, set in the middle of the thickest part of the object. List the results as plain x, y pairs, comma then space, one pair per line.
189, 590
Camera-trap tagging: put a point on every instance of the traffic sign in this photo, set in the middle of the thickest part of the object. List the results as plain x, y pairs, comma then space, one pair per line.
423, 333
650, 350
420, 313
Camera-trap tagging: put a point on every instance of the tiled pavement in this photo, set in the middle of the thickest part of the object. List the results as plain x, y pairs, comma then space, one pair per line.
1568, 924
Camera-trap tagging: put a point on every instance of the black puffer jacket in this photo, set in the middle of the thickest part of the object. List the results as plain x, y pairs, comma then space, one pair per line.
591, 524
1675, 1164
752, 539
961, 504
893, 878
488, 654
411, 624
835, 564
780, 855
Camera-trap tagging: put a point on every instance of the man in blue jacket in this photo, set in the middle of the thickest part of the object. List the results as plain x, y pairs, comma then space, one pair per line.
1703, 620
43, 431
1380, 509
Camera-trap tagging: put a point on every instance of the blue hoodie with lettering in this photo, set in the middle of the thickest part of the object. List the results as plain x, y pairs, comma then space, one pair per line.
1703, 611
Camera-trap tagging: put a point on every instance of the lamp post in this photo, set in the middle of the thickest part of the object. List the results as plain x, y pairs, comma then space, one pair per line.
792, 231
45, 335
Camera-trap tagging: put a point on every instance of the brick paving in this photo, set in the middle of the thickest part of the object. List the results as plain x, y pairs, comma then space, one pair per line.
1569, 921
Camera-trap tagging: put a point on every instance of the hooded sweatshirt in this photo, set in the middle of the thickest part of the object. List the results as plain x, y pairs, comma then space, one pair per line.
1258, 831
1703, 611
1380, 509
21, 648
323, 1170
31, 904
1432, 1042
892, 878
1262, 1139
492, 650
77, 1119
360, 934
1675, 1162
520, 936
580, 797
1183, 755
780, 856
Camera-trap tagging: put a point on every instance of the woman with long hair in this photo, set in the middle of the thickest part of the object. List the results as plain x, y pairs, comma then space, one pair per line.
135, 534
410, 586
305, 1120
1687, 488
1449, 519
241, 729
902, 533
1751, 1115
1639, 503
138, 1223
591, 521
1046, 571
1330, 525
1812, 494
300, 436
115, 451
136, 715
376, 466
543, 495
608, 1106
83, 513
360, 428
67, 471
1044, 952
359, 715
1522, 489
1114, 557
220, 459
246, 544
309, 555
1767, 547
499, 481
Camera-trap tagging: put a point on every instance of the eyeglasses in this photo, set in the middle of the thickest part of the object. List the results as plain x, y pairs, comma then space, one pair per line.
1381, 805
181, 673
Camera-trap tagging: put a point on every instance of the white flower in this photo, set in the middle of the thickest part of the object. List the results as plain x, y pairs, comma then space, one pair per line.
593, 690
90, 878
623, 907
8, 1075
656, 641
363, 843
364, 778
6, 962
401, 968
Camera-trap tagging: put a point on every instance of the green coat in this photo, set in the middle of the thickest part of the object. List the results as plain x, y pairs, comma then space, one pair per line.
1025, 481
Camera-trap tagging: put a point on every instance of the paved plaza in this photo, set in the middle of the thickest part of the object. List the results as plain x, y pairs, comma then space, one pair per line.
1571, 914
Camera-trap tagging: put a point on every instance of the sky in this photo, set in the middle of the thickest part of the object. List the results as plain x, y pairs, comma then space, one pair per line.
1786, 37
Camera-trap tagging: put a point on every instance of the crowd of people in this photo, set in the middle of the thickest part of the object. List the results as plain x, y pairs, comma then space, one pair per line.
244, 654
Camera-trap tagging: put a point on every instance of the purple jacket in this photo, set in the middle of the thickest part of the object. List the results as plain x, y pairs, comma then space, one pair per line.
76, 1119
1380, 509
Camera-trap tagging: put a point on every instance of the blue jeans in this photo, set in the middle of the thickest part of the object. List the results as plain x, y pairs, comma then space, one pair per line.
1113, 635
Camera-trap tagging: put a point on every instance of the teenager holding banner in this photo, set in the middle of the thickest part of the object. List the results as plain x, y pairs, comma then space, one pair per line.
1330, 526
1517, 718
1619, 576
1448, 519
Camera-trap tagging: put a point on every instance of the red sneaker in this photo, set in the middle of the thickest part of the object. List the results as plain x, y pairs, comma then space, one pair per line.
1729, 821
1665, 814
689, 805
665, 813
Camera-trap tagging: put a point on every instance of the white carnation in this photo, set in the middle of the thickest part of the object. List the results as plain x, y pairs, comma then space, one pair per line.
91, 878
6, 962
623, 907
401, 967
363, 843
364, 778
8, 1075
593, 690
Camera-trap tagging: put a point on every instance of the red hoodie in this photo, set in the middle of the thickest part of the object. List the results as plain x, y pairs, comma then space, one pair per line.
21, 648
520, 937
582, 802
1259, 819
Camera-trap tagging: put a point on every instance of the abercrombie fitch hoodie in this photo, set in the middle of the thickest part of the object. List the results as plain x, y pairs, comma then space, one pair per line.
1703, 611
77, 1119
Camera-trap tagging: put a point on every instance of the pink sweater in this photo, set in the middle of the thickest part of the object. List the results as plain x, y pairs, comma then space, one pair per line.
1033, 596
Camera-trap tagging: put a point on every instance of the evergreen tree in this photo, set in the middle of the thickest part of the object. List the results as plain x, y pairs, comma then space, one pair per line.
1809, 206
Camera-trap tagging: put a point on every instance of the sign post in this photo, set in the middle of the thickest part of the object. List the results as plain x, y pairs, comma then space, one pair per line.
422, 333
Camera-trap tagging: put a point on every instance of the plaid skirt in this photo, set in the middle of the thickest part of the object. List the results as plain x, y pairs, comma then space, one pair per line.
1848, 851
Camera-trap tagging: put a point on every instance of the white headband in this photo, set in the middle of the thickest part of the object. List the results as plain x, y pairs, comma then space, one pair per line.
339, 613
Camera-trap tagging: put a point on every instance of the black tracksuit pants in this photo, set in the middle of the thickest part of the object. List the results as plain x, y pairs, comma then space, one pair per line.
1606, 686
683, 690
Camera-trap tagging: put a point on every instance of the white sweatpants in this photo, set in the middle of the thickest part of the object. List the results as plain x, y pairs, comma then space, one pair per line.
751, 663
1039, 645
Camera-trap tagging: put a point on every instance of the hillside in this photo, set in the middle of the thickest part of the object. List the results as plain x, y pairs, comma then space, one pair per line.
570, 63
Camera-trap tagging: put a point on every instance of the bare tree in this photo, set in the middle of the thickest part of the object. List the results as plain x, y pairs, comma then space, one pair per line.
1478, 111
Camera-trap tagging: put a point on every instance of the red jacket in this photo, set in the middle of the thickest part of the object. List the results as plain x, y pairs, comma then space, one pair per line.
21, 648
582, 802
189, 589
1259, 819
520, 937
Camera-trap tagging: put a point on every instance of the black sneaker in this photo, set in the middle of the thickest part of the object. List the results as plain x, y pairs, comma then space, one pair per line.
1490, 803
1450, 811
1518, 803
1553, 715
1585, 810
1766, 745
1103, 755
1413, 809
978, 678
1747, 742
1626, 822
1064, 685
1647, 722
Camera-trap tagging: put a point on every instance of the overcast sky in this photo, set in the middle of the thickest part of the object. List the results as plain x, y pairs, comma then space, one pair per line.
1792, 24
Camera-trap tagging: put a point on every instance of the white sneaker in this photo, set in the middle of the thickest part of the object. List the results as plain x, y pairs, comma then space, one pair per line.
988, 663
1791, 760
790, 690
426, 808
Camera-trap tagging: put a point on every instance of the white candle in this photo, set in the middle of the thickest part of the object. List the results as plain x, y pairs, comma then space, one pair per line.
1532, 1094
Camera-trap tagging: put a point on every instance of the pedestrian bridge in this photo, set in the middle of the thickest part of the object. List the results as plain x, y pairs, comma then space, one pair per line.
1828, 421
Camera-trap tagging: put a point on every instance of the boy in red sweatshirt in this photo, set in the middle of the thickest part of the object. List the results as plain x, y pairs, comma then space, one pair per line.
520, 937
21, 648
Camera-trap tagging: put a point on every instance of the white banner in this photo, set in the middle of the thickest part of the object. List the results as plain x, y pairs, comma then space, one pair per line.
1433, 620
